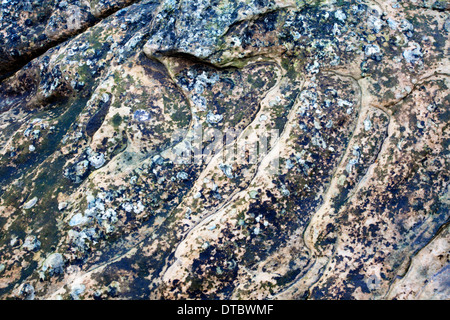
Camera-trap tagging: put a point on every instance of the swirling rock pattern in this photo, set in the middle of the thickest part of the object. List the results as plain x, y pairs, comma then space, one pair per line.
98, 99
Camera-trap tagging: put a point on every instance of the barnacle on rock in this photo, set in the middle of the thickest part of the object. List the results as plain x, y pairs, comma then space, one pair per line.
176, 149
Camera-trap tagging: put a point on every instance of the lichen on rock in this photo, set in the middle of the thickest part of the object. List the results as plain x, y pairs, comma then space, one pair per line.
128, 139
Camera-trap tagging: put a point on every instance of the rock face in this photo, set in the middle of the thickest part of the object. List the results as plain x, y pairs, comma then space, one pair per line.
107, 192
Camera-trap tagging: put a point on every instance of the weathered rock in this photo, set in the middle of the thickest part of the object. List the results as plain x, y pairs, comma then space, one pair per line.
53, 265
26, 291
31, 243
77, 290
172, 149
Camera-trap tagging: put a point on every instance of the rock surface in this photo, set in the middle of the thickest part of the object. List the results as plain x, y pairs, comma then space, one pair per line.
98, 100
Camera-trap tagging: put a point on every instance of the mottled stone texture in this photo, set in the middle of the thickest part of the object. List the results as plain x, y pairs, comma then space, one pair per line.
98, 97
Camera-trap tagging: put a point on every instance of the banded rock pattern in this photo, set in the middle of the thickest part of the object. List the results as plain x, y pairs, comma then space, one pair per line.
98, 99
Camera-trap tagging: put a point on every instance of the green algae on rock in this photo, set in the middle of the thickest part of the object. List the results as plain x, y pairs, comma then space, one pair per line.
349, 102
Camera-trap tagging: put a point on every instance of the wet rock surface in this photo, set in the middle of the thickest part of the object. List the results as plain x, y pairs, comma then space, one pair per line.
98, 100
